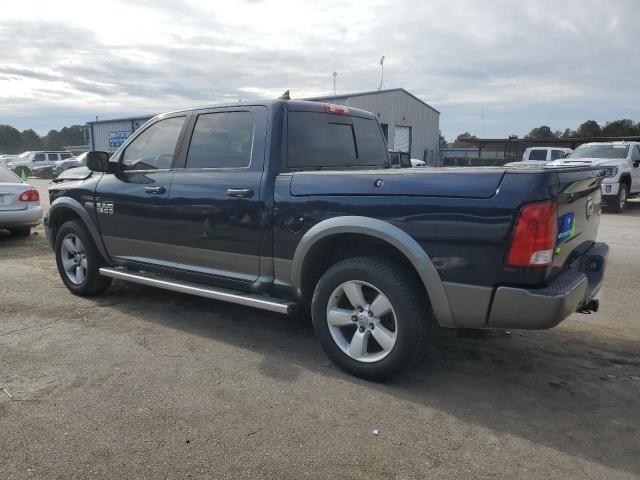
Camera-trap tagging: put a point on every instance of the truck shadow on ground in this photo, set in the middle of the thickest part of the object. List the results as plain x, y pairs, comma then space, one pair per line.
568, 389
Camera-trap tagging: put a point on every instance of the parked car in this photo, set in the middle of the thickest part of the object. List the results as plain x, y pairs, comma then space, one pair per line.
26, 162
288, 203
622, 163
20, 208
55, 169
415, 162
545, 154
399, 159
4, 159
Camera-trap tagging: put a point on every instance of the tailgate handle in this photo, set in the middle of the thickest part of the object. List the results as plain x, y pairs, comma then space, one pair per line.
240, 192
154, 190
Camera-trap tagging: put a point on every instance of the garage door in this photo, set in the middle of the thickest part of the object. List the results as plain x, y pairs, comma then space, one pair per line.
401, 139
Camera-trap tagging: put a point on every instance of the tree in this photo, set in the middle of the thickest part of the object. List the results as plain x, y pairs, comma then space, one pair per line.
10, 140
30, 140
590, 128
443, 141
53, 140
568, 133
620, 128
73, 135
463, 136
541, 132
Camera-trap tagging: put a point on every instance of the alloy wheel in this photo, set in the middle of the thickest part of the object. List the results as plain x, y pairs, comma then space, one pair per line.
74, 258
362, 321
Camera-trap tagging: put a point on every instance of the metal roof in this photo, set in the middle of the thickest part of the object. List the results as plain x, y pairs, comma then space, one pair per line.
371, 92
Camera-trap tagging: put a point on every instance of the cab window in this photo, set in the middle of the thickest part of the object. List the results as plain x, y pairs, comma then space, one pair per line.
38, 157
556, 154
538, 155
154, 147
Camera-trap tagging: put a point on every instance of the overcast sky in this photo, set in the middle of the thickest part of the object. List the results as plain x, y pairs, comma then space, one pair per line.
523, 63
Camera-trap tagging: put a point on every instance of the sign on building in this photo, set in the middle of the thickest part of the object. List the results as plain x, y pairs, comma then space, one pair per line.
117, 138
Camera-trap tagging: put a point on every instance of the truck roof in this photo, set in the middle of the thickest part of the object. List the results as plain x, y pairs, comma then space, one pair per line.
291, 105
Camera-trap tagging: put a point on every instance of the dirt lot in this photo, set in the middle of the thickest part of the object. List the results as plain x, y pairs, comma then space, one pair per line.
142, 383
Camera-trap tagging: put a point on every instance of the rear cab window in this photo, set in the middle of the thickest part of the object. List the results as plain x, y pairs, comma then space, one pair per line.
538, 154
318, 140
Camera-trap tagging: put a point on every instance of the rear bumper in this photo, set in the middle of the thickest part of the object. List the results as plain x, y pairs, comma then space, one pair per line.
533, 309
29, 217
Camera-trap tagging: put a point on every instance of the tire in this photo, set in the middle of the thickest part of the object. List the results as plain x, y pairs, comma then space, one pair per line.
74, 244
621, 199
21, 232
405, 323
23, 171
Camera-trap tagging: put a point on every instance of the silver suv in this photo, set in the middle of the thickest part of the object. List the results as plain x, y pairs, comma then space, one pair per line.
27, 162
621, 160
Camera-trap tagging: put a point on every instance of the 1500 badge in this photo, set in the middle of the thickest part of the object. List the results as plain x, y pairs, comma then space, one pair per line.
104, 207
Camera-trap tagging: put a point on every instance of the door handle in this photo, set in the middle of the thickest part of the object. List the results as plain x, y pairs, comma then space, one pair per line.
154, 190
240, 192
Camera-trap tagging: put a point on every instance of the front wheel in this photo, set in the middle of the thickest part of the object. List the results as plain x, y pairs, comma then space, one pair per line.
370, 317
78, 260
621, 199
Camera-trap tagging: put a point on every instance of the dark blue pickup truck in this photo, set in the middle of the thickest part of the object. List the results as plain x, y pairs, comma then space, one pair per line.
292, 204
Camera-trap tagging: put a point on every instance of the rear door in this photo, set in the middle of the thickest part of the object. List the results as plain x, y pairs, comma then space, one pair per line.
132, 205
218, 214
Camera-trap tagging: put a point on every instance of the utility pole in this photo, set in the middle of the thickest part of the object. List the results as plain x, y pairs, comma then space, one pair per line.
381, 73
335, 94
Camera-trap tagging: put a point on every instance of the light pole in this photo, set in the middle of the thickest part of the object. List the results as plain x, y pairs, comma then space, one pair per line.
381, 73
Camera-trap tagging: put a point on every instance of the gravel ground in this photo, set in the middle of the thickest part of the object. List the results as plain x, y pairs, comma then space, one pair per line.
143, 383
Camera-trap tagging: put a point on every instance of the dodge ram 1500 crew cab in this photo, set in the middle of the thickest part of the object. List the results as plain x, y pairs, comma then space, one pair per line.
288, 204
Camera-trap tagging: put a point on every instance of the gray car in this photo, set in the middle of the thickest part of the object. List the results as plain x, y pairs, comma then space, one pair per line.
19, 204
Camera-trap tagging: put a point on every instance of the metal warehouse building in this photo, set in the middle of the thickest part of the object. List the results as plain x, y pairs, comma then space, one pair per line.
108, 135
409, 124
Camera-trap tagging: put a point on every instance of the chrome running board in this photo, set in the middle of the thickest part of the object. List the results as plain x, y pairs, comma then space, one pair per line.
231, 296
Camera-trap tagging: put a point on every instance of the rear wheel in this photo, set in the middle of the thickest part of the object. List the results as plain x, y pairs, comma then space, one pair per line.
78, 260
21, 232
370, 317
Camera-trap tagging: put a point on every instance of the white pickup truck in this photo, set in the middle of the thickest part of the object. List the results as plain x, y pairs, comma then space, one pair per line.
622, 163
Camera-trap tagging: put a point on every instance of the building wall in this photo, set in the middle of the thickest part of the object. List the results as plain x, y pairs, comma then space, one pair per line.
100, 132
398, 108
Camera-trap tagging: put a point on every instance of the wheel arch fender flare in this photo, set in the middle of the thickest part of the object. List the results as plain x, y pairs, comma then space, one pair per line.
66, 203
392, 235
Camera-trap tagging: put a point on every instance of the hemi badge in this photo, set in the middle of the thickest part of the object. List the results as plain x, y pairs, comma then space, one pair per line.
88, 204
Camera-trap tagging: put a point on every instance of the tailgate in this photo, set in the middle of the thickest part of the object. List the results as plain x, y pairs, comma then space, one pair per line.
579, 205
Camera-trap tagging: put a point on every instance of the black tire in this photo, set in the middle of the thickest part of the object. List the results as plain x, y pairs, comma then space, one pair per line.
93, 283
410, 309
21, 232
621, 199
23, 171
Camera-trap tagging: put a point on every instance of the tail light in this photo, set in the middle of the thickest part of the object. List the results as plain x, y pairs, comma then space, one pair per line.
534, 236
29, 196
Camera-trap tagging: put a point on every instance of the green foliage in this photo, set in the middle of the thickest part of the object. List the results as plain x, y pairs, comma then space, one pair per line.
443, 141
590, 128
12, 141
541, 132
463, 136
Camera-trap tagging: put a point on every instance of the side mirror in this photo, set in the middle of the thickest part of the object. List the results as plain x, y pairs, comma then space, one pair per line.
99, 162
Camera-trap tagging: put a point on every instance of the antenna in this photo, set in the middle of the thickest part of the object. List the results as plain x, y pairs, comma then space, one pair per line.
335, 74
381, 73
285, 96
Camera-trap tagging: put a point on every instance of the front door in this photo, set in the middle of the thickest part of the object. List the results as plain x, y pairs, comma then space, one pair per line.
131, 205
217, 209
635, 168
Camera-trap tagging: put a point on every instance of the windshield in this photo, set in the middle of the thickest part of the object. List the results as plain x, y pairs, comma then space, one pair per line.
7, 176
600, 151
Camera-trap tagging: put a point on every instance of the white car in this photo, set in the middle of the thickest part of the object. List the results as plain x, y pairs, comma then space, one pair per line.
28, 161
545, 154
622, 163
415, 162
19, 204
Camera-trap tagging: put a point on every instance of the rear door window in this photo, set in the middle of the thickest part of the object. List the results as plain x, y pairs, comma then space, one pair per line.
222, 140
557, 154
64, 156
317, 140
52, 157
538, 155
